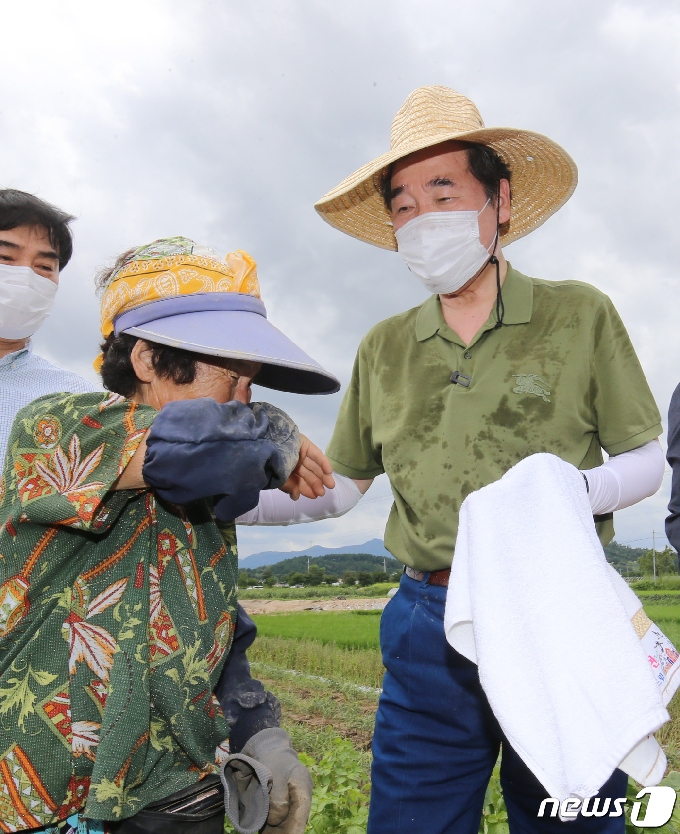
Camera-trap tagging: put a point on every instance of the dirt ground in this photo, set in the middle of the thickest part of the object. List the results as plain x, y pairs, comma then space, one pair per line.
281, 606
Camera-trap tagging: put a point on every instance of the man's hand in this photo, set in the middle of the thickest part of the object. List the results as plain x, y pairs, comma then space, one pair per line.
312, 475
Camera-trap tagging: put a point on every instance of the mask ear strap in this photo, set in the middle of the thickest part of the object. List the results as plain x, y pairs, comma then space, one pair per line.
500, 306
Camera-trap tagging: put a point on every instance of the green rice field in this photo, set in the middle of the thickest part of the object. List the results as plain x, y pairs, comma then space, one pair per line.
349, 629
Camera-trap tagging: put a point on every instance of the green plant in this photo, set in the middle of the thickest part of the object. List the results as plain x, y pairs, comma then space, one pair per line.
666, 562
672, 826
315, 575
659, 597
666, 582
494, 813
340, 798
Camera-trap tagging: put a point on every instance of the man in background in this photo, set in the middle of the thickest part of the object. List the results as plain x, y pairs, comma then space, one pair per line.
673, 456
35, 245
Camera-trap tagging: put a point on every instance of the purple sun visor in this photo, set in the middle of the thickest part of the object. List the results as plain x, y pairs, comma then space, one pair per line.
229, 324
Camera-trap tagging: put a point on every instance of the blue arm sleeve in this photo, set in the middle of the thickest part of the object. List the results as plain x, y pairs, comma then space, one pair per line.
246, 704
230, 451
673, 456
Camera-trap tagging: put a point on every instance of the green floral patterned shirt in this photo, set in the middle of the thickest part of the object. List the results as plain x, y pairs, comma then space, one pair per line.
116, 615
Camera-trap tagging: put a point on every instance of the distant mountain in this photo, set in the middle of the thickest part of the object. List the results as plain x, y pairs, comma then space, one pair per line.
335, 564
618, 554
374, 547
622, 556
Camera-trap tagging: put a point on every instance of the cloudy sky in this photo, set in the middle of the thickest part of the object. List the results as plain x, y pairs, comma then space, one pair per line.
225, 121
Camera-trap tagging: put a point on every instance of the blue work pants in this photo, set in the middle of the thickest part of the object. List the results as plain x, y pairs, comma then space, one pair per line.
436, 740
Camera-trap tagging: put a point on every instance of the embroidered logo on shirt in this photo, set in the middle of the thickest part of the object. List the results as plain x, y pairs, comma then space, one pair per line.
531, 384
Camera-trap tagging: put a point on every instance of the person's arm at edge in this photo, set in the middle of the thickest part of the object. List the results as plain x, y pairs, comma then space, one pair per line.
673, 458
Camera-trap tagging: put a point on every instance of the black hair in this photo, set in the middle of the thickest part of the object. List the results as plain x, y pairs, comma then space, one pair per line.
485, 165
18, 208
119, 376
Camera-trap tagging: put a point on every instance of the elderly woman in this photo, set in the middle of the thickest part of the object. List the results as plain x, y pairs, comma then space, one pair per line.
118, 557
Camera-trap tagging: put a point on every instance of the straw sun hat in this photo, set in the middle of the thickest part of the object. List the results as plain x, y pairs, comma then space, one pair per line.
544, 176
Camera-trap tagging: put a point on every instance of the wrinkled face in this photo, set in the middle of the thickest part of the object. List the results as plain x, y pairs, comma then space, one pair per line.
219, 378
30, 246
438, 179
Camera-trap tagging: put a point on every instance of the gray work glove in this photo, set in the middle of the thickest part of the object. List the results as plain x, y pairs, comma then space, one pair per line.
247, 783
290, 798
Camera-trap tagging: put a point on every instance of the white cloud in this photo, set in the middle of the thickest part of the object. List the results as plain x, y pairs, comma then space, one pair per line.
225, 122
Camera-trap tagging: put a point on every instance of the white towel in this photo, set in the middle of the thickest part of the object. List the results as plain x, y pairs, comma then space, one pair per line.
533, 602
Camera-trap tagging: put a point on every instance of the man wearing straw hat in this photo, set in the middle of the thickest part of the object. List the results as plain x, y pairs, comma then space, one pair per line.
445, 398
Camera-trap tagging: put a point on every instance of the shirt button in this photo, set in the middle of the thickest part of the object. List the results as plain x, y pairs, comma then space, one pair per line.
467, 355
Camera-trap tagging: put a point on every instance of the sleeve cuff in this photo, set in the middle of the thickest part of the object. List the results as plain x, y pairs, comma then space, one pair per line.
635, 441
357, 474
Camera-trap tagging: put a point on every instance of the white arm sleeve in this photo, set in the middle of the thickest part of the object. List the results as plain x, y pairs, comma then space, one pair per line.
278, 508
626, 478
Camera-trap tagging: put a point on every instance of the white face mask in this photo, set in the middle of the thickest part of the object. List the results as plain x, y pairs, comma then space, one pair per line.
442, 248
26, 300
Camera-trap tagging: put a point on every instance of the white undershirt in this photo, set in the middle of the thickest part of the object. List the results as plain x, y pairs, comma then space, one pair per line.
276, 507
626, 478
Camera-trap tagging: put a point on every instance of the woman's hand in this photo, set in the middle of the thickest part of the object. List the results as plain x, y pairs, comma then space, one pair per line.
312, 475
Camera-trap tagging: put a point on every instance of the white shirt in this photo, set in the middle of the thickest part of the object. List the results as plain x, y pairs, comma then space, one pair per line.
23, 378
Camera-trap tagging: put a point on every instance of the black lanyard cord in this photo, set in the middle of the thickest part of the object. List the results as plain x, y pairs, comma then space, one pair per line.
500, 306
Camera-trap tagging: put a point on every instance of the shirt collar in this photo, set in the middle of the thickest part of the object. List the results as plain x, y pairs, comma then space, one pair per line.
518, 298
17, 356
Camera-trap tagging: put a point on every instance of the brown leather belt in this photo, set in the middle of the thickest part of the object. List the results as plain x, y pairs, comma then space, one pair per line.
435, 577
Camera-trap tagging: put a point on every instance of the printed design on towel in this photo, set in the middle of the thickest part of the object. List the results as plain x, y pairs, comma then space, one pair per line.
641, 622
531, 384
661, 653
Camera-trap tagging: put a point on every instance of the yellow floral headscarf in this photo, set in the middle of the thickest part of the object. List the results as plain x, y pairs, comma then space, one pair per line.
171, 267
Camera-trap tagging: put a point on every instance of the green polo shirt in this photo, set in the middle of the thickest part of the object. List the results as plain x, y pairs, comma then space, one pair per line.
560, 376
